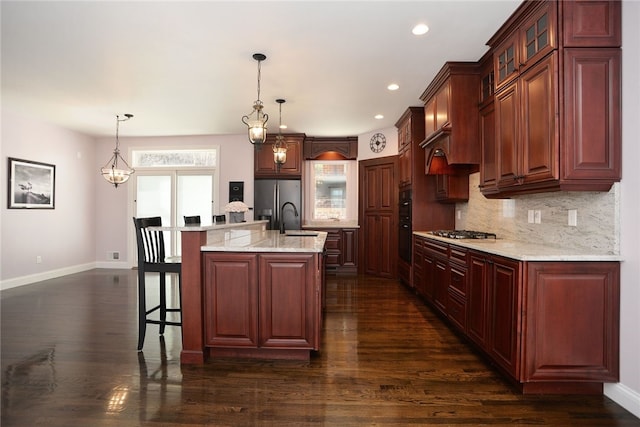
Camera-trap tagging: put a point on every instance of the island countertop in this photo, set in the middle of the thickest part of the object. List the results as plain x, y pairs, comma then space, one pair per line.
230, 240
524, 251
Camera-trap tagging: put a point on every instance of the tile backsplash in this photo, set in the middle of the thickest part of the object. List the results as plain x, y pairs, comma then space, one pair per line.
598, 222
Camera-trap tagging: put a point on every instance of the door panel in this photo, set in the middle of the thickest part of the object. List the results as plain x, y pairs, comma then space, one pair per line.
170, 195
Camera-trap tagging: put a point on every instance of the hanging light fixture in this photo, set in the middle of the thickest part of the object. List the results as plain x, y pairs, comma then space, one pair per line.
112, 171
258, 126
280, 147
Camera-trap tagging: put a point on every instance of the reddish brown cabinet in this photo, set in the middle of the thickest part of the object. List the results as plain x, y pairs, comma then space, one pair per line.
318, 148
378, 216
451, 116
231, 300
262, 304
418, 193
487, 128
341, 247
504, 313
574, 333
265, 167
552, 327
452, 188
557, 101
527, 128
534, 38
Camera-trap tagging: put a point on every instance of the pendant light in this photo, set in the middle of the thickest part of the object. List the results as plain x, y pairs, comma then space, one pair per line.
257, 126
280, 147
113, 170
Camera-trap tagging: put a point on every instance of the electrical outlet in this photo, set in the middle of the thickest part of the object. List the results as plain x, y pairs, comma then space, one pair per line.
38, 259
573, 217
537, 216
116, 255
459, 214
530, 216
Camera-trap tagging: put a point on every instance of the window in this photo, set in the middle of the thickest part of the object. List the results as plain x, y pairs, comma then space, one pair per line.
332, 190
175, 159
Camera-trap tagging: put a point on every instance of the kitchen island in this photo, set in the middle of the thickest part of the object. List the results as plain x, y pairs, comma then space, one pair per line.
250, 292
547, 317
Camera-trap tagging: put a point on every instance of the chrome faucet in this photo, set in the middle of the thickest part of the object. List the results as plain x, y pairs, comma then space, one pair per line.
295, 211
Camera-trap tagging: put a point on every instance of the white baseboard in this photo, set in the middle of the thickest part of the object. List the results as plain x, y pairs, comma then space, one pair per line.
624, 396
46, 275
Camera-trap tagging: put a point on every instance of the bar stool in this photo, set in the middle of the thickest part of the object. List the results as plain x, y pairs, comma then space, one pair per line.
151, 259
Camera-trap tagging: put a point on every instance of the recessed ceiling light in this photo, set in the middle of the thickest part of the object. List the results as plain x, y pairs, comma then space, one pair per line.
393, 86
420, 29
378, 116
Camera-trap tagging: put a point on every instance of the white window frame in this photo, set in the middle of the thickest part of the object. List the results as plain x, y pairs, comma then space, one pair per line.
310, 190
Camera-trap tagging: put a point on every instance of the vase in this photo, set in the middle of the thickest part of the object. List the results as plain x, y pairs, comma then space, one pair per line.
236, 217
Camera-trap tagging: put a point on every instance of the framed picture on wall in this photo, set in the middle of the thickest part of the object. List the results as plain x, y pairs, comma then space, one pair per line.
32, 185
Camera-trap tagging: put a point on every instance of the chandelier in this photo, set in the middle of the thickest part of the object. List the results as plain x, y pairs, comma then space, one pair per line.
113, 170
257, 126
280, 147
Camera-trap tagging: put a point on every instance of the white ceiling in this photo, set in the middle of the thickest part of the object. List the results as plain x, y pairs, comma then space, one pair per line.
186, 68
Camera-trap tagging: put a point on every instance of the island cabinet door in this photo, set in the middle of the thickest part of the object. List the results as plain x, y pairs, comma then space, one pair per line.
289, 293
230, 300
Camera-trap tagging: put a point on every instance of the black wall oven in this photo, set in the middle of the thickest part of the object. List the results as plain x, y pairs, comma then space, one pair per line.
405, 231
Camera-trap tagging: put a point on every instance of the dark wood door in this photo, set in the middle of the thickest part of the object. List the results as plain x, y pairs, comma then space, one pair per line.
231, 300
477, 297
350, 248
378, 206
504, 311
488, 166
539, 130
506, 111
441, 279
572, 322
287, 301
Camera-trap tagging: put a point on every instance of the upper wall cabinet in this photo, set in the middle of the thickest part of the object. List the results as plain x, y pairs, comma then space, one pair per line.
529, 42
410, 157
265, 167
557, 100
323, 148
451, 116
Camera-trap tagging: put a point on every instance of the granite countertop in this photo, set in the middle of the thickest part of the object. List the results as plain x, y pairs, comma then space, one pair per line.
209, 227
524, 251
303, 241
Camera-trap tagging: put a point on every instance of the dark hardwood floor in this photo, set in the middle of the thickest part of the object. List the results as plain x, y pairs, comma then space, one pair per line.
69, 359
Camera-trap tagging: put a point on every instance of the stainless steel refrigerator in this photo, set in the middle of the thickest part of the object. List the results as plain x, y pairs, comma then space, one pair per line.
269, 196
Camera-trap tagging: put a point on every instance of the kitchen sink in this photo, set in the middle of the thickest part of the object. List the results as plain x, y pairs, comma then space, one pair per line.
301, 233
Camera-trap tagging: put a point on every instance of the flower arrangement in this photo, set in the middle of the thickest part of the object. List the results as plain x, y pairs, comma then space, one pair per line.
236, 207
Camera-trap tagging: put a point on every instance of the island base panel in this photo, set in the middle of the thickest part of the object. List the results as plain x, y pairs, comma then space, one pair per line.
191, 357
260, 353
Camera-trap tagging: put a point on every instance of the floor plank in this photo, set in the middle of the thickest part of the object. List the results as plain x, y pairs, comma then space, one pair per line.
69, 359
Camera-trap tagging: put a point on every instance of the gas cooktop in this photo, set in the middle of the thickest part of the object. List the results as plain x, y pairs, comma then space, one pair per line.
463, 234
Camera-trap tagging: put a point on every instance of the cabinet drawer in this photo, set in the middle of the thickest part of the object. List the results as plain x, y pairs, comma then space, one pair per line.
438, 248
458, 254
458, 278
456, 309
332, 243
